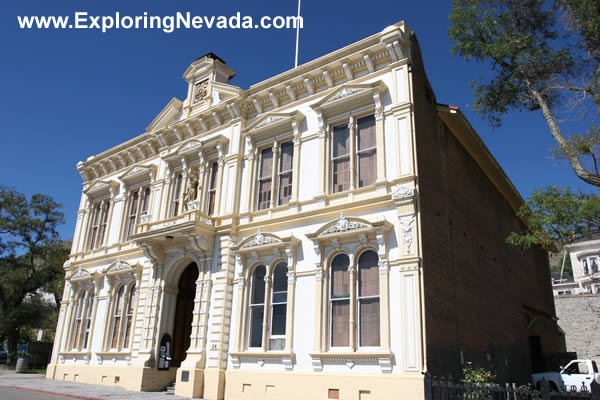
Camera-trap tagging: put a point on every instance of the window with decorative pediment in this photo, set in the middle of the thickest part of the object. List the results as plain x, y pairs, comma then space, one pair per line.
137, 187
99, 210
98, 224
82, 311
274, 140
122, 306
194, 176
351, 281
121, 319
138, 206
266, 285
275, 309
351, 127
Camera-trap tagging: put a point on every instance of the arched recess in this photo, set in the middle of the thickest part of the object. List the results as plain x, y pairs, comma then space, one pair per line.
184, 313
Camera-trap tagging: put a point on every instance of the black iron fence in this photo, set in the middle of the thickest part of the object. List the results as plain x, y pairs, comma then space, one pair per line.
440, 389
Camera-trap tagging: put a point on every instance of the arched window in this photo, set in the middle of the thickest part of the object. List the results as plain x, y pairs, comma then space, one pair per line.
129, 316
278, 307
116, 319
77, 323
257, 306
88, 319
368, 299
340, 301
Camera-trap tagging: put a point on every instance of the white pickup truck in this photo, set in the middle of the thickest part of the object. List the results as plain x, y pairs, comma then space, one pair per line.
576, 373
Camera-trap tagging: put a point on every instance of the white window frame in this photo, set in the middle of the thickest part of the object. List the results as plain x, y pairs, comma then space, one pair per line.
353, 151
213, 176
359, 298
272, 305
251, 305
98, 223
276, 173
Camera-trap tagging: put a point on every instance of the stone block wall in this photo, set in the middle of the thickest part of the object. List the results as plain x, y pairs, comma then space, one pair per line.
579, 316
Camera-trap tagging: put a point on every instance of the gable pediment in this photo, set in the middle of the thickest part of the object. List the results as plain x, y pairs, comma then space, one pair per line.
119, 267
272, 121
189, 147
166, 116
80, 275
99, 188
349, 92
264, 241
138, 173
348, 227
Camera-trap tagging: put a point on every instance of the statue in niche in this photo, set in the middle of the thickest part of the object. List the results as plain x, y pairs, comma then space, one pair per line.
191, 193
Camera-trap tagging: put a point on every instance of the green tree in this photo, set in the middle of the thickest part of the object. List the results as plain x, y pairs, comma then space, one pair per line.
31, 259
554, 217
536, 64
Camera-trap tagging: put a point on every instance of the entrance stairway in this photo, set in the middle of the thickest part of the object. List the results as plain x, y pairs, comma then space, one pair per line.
170, 389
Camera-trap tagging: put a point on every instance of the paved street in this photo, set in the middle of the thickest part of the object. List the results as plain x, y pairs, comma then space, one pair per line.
15, 386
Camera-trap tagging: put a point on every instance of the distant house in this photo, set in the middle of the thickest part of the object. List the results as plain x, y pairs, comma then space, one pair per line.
329, 233
585, 260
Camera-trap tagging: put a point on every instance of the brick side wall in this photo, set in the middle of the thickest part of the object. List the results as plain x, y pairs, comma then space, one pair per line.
476, 286
579, 317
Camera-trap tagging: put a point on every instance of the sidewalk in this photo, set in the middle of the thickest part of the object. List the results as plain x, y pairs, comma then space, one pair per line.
38, 383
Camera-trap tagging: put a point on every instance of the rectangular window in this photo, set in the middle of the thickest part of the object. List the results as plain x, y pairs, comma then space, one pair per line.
145, 200
104, 222
594, 264
98, 224
368, 299
257, 306
131, 219
88, 322
96, 210
77, 324
341, 158
278, 307
340, 302
366, 151
265, 178
212, 188
286, 165
129, 316
116, 320
176, 195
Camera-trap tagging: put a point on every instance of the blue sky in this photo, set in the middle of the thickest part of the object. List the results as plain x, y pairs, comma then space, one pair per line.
69, 94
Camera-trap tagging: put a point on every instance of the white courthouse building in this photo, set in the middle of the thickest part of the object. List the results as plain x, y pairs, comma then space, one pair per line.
331, 232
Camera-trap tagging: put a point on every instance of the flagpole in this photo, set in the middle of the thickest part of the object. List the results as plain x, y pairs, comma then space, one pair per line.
297, 33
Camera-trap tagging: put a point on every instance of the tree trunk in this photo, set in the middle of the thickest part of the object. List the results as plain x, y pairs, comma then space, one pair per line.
12, 336
574, 160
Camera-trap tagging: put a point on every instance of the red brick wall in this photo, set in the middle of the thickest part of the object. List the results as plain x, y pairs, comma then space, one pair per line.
476, 286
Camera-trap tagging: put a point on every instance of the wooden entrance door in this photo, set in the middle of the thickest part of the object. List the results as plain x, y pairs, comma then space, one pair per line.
184, 309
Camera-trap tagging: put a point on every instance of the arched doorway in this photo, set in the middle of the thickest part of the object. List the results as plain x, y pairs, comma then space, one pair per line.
184, 314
